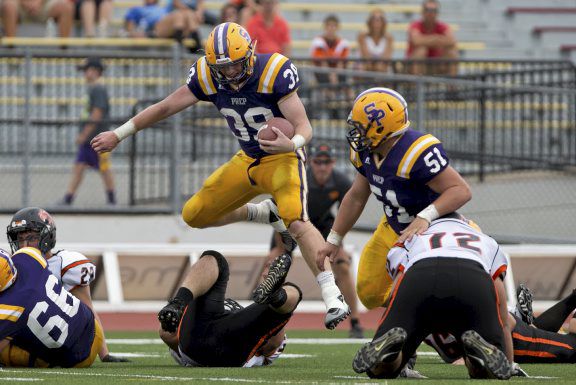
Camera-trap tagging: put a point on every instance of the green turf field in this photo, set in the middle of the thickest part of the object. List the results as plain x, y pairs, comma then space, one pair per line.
305, 361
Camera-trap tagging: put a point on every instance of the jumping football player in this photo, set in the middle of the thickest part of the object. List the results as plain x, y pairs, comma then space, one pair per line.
248, 89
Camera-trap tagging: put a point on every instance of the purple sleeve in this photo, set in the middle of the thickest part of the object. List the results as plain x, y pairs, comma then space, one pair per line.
193, 83
430, 163
287, 80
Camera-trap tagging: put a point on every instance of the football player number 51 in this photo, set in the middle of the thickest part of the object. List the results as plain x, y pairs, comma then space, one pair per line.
65, 302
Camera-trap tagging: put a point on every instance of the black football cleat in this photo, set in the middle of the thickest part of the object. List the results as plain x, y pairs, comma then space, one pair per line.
171, 314
385, 348
487, 358
276, 276
524, 305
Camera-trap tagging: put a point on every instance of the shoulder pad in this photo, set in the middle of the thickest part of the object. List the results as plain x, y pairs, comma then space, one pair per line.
270, 73
413, 153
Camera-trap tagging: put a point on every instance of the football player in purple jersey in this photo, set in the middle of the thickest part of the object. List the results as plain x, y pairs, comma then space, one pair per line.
35, 227
249, 89
407, 171
41, 323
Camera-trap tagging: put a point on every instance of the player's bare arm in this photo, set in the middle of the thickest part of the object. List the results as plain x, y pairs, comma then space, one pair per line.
505, 317
4, 343
348, 213
172, 104
293, 109
454, 193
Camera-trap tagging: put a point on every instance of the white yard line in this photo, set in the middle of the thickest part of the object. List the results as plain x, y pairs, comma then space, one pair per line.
153, 377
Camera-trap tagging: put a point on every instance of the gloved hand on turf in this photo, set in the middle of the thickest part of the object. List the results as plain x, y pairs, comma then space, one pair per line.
111, 358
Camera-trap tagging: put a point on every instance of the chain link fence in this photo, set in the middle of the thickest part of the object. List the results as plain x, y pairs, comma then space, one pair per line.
508, 126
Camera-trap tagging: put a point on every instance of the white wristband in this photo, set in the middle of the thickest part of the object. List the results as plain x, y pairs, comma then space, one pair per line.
334, 238
299, 141
429, 213
125, 130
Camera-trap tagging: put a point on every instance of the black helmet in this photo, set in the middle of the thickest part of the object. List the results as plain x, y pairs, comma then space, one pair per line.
32, 219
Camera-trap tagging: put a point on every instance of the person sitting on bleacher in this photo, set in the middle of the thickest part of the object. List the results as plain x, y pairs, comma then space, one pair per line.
375, 44
92, 11
196, 6
154, 20
12, 11
429, 38
270, 29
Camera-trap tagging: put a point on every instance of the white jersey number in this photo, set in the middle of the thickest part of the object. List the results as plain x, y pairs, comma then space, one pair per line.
403, 216
249, 117
42, 332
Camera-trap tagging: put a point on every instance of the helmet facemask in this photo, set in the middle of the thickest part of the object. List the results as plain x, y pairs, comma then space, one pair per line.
247, 69
357, 136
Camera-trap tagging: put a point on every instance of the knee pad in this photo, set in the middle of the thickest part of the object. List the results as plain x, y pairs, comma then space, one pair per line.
223, 269
299, 228
296, 287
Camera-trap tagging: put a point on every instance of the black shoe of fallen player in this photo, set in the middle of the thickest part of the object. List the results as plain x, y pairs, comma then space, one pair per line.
486, 357
383, 349
171, 314
524, 305
276, 276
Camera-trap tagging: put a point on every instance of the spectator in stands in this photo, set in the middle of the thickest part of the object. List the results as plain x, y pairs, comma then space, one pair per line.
229, 13
94, 122
246, 9
330, 50
197, 6
154, 20
11, 11
92, 11
376, 45
429, 38
269, 29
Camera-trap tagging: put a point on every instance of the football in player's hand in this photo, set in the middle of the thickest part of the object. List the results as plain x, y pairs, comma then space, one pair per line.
265, 132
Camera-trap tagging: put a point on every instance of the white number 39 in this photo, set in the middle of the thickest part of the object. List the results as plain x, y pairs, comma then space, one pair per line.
291, 72
431, 161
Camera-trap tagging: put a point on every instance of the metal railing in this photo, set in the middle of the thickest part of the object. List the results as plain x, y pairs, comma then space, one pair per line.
495, 117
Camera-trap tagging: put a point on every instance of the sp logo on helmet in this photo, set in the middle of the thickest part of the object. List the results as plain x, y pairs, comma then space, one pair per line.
374, 114
242, 32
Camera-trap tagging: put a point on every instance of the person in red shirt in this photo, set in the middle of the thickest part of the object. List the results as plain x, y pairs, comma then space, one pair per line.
269, 29
429, 38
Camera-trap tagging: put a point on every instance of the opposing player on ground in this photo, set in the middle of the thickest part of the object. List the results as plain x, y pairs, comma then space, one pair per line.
450, 269
42, 324
407, 171
535, 340
249, 89
35, 227
209, 334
